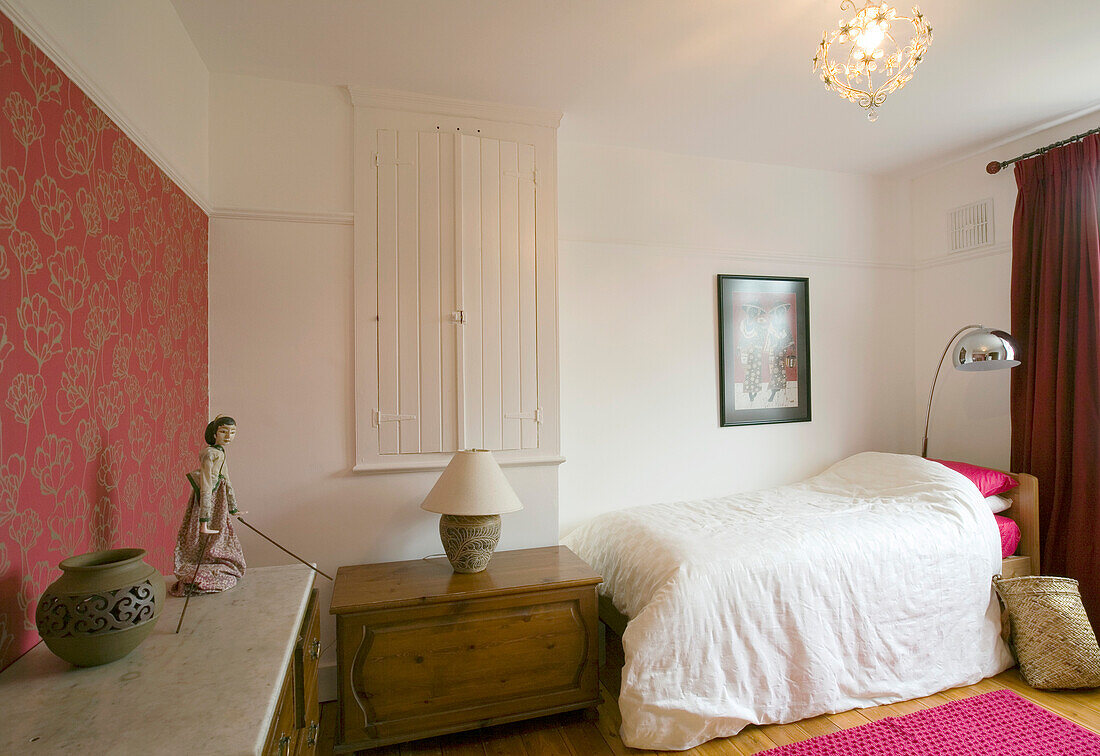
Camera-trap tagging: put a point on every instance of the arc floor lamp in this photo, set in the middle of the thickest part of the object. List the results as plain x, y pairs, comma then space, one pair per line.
981, 349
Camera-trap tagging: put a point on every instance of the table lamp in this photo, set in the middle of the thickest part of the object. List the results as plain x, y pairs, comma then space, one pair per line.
471, 494
981, 349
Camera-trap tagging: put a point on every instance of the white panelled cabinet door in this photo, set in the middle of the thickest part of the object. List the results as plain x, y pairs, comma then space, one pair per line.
449, 275
414, 260
499, 341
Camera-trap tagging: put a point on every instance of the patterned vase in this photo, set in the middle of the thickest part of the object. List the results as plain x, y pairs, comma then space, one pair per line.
101, 608
469, 540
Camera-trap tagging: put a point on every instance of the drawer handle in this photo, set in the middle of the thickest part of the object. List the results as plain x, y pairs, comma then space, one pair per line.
284, 745
311, 736
315, 649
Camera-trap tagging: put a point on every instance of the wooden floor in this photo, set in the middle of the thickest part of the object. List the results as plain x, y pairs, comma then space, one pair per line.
574, 735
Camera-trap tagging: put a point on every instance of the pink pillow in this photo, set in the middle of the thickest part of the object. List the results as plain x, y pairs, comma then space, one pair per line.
989, 482
1010, 535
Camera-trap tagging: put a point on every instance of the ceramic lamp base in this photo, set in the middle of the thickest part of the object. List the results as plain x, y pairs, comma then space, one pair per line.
469, 540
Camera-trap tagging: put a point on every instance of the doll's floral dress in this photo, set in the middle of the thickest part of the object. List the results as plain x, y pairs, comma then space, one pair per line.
218, 557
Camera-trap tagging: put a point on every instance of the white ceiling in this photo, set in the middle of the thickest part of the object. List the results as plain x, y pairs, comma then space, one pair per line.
722, 78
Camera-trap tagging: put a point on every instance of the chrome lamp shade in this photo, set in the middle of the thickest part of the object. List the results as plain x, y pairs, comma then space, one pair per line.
979, 350
986, 349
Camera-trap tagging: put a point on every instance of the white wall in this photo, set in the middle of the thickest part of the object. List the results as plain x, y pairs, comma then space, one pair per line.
281, 343
643, 236
971, 419
135, 59
639, 386
280, 146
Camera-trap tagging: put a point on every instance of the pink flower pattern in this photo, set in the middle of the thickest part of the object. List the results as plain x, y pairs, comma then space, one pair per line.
76, 145
42, 328
25, 118
25, 396
25, 249
103, 337
111, 256
68, 278
13, 188
89, 211
54, 206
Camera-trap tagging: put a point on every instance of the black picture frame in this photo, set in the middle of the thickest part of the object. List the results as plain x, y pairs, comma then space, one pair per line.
763, 350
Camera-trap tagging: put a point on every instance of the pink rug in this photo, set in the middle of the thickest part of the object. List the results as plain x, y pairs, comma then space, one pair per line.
999, 723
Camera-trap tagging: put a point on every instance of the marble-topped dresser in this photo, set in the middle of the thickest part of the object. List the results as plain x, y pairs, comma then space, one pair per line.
215, 688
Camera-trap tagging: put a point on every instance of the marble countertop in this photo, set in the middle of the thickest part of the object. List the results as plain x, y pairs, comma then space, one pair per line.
210, 689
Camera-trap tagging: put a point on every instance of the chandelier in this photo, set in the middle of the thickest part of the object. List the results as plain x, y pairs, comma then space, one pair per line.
863, 61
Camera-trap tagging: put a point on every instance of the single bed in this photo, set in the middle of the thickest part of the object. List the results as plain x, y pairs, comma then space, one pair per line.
865, 585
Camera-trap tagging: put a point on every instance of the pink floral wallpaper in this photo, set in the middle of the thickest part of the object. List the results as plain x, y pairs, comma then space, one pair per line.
103, 338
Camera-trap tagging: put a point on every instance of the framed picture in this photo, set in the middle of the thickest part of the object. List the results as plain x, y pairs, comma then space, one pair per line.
763, 350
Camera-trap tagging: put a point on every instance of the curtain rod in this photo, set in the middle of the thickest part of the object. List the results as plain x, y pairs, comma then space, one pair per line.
995, 167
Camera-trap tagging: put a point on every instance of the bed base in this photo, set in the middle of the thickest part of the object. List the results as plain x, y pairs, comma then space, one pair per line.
1024, 510
611, 616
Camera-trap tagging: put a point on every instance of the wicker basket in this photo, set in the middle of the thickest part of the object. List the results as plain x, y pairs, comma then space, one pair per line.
1051, 635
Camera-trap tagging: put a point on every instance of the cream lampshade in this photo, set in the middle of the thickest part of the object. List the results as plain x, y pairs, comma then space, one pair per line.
471, 494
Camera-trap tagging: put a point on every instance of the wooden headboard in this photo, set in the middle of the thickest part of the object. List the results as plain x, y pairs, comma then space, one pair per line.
1025, 511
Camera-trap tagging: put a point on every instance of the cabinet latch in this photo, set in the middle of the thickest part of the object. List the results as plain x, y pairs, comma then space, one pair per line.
458, 317
533, 177
536, 415
385, 417
378, 161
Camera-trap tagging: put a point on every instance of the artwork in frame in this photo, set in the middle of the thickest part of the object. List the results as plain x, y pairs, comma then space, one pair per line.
763, 350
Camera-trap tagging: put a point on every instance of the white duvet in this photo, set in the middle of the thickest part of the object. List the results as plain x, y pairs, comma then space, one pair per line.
865, 585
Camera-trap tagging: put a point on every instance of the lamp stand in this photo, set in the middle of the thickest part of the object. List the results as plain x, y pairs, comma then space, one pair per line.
469, 540
932, 391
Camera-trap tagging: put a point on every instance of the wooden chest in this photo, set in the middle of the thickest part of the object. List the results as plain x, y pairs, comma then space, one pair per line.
423, 651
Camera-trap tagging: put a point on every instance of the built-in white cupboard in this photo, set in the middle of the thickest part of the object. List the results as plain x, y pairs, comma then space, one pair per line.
455, 282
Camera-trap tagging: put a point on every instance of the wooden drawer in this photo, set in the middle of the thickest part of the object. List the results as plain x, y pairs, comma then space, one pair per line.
414, 672
308, 736
282, 738
296, 725
307, 653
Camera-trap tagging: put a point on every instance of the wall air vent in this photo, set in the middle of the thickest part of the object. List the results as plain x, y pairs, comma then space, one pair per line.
970, 226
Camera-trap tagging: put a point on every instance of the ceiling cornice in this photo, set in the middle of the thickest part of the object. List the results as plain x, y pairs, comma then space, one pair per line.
36, 32
390, 99
935, 165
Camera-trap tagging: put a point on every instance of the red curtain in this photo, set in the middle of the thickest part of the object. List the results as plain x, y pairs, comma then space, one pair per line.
1056, 391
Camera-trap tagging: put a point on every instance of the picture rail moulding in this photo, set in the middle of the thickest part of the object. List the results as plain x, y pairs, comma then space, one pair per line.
439, 463
631, 246
285, 216
389, 99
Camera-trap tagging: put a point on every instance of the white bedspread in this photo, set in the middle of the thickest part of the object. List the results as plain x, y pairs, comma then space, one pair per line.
865, 585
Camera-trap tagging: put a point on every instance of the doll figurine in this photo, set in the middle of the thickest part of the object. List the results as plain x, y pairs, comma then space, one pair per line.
208, 554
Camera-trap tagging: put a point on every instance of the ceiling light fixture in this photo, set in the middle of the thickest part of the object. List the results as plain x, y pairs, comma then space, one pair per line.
862, 61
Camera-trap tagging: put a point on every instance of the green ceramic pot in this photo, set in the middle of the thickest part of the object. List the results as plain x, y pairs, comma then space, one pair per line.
101, 608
